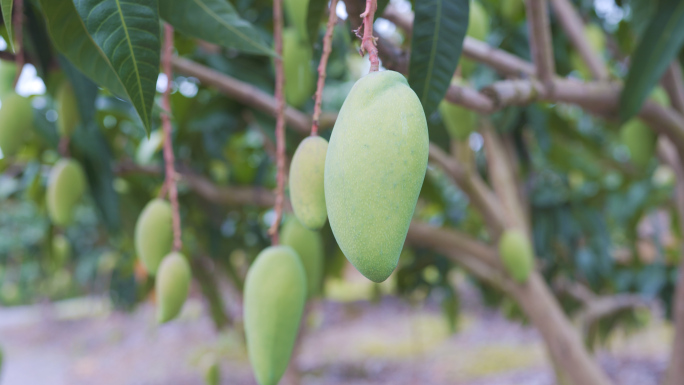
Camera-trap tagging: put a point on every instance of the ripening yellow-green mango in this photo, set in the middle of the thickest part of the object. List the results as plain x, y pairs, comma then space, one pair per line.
16, 120
300, 78
66, 185
308, 244
67, 110
516, 254
296, 11
274, 298
171, 286
374, 170
306, 182
478, 28
154, 234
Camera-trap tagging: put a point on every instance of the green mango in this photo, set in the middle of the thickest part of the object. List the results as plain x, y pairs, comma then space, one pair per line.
172, 286
478, 28
459, 121
308, 245
300, 79
16, 120
640, 140
8, 71
597, 41
66, 185
212, 371
296, 12
374, 170
660, 96
154, 234
68, 117
516, 254
513, 10
61, 249
274, 298
306, 182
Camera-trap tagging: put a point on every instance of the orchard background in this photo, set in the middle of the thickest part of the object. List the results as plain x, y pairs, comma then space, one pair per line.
561, 118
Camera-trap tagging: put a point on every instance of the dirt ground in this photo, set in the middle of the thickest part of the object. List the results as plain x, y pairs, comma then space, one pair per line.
81, 342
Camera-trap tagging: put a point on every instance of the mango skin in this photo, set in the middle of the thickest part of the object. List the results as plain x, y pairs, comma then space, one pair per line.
306, 182
640, 140
296, 12
597, 42
66, 185
374, 170
274, 298
171, 286
478, 28
67, 110
61, 249
300, 79
16, 120
513, 10
460, 122
154, 234
516, 254
308, 245
8, 70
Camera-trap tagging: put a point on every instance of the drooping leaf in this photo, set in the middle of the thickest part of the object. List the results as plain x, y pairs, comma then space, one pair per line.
128, 35
215, 21
6, 6
659, 45
438, 31
314, 15
70, 38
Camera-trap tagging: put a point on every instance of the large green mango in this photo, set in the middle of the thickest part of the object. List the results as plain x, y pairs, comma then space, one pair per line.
300, 79
296, 11
16, 120
154, 234
478, 28
374, 171
306, 182
172, 286
67, 110
66, 185
275, 293
516, 254
308, 245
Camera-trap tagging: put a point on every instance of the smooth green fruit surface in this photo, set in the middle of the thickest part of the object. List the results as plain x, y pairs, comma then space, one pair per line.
275, 293
308, 245
296, 11
67, 110
460, 122
516, 254
640, 140
374, 171
61, 249
306, 182
660, 96
66, 185
171, 286
597, 42
478, 28
513, 10
8, 70
16, 120
154, 234
300, 79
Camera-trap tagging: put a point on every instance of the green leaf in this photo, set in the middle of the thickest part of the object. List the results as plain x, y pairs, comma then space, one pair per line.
215, 21
439, 28
314, 15
85, 90
128, 34
659, 45
71, 39
6, 6
382, 4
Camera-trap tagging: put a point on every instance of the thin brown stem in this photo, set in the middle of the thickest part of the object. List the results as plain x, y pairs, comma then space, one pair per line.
369, 43
170, 181
280, 118
674, 85
18, 22
327, 48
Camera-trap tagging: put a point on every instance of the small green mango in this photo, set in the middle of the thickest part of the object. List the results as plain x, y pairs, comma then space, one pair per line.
306, 182
308, 245
16, 120
513, 10
154, 234
66, 185
61, 249
597, 41
660, 96
212, 371
275, 294
374, 170
459, 121
296, 12
640, 140
67, 110
300, 79
516, 254
478, 28
172, 286
8, 71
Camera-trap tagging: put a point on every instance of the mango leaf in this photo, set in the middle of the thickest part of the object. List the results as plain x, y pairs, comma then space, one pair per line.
128, 34
215, 21
6, 6
84, 88
70, 38
659, 45
439, 28
382, 4
314, 15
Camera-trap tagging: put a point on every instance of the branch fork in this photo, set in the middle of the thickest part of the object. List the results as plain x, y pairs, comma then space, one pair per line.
369, 42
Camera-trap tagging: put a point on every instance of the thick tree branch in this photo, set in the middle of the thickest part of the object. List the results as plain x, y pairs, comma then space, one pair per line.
248, 94
540, 40
574, 28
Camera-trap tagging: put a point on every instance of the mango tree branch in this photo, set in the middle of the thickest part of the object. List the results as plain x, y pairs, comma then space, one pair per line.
540, 40
327, 48
368, 41
674, 84
248, 94
170, 181
573, 26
